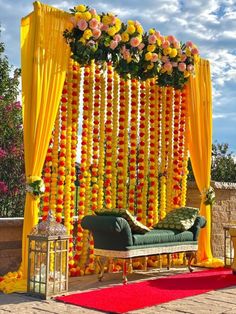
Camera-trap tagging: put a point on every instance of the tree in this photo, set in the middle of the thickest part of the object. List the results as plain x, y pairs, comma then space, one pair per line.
223, 166
12, 178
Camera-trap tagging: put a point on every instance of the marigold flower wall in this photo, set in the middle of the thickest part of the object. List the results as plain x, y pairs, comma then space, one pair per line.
133, 152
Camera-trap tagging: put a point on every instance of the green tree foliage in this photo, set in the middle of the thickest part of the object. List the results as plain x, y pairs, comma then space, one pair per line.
12, 178
223, 166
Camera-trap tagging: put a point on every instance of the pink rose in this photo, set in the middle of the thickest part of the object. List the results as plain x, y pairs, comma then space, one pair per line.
82, 25
154, 57
113, 21
73, 21
117, 38
104, 27
134, 42
165, 44
164, 59
174, 64
17, 105
157, 34
141, 46
162, 38
96, 33
176, 44
168, 66
93, 23
113, 44
171, 38
183, 57
93, 11
190, 68
126, 54
194, 51
152, 39
189, 44
182, 67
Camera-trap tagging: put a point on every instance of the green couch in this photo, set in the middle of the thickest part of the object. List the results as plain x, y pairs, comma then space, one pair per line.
113, 239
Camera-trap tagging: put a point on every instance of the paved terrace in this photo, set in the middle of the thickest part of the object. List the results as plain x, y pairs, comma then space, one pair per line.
215, 302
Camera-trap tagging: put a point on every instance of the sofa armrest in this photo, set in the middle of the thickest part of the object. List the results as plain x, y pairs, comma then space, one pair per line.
200, 222
109, 232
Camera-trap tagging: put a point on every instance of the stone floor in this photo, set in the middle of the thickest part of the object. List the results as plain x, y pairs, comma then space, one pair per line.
215, 302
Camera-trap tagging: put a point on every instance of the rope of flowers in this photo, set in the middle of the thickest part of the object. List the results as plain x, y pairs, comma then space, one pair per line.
126, 141
101, 144
114, 137
108, 137
120, 185
133, 143
152, 157
175, 174
47, 181
169, 147
164, 139
141, 157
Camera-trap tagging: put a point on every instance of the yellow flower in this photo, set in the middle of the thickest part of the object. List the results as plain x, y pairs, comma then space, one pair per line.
139, 29
80, 8
112, 31
158, 42
150, 66
118, 24
125, 37
186, 73
167, 51
87, 34
188, 52
78, 15
151, 48
130, 22
148, 56
82, 40
87, 16
173, 53
131, 29
151, 31
106, 20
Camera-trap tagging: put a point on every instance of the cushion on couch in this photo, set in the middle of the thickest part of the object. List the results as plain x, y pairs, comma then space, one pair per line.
179, 218
136, 226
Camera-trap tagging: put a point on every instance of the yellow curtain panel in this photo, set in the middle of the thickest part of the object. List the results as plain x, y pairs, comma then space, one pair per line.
200, 143
45, 57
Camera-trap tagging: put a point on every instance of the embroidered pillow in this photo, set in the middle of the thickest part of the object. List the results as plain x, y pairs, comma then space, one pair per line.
180, 219
135, 226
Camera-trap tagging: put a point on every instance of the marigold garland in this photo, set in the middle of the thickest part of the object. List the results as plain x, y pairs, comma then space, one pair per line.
114, 138
141, 155
133, 144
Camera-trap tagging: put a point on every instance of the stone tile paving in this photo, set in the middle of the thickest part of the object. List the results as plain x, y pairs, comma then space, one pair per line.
215, 302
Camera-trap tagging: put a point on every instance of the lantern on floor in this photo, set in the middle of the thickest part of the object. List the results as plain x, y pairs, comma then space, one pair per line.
48, 259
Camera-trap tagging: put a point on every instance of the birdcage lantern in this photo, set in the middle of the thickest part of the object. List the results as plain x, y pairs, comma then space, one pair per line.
48, 259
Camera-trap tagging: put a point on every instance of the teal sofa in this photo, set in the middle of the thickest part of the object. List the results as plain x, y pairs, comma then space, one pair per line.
113, 238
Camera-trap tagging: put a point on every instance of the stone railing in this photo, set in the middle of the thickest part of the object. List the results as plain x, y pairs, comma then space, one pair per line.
223, 211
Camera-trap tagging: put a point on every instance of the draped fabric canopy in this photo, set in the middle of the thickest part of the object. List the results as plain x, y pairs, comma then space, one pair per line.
45, 57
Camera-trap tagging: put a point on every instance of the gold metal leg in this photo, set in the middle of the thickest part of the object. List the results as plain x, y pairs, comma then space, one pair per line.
190, 256
102, 261
125, 280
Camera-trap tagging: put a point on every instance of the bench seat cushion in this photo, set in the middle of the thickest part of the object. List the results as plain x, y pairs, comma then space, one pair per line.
162, 236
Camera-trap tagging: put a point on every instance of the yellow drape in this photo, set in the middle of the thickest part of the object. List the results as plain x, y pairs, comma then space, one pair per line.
45, 57
200, 143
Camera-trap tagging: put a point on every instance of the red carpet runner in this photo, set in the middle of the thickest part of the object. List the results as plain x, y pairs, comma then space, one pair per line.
134, 296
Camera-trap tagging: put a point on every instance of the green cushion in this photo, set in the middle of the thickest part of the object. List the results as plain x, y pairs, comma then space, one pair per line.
135, 226
162, 236
179, 218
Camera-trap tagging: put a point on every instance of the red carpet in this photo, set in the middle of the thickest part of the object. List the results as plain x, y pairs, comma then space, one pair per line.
134, 296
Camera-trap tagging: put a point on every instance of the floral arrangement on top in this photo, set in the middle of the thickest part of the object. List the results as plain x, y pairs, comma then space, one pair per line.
133, 52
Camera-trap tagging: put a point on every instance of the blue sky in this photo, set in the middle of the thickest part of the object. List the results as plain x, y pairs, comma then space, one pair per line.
211, 25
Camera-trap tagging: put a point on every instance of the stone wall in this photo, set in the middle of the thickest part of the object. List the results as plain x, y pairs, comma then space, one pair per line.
10, 244
223, 211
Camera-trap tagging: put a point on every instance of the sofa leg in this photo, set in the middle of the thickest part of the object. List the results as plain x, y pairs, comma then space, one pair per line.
125, 280
168, 261
190, 256
101, 264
